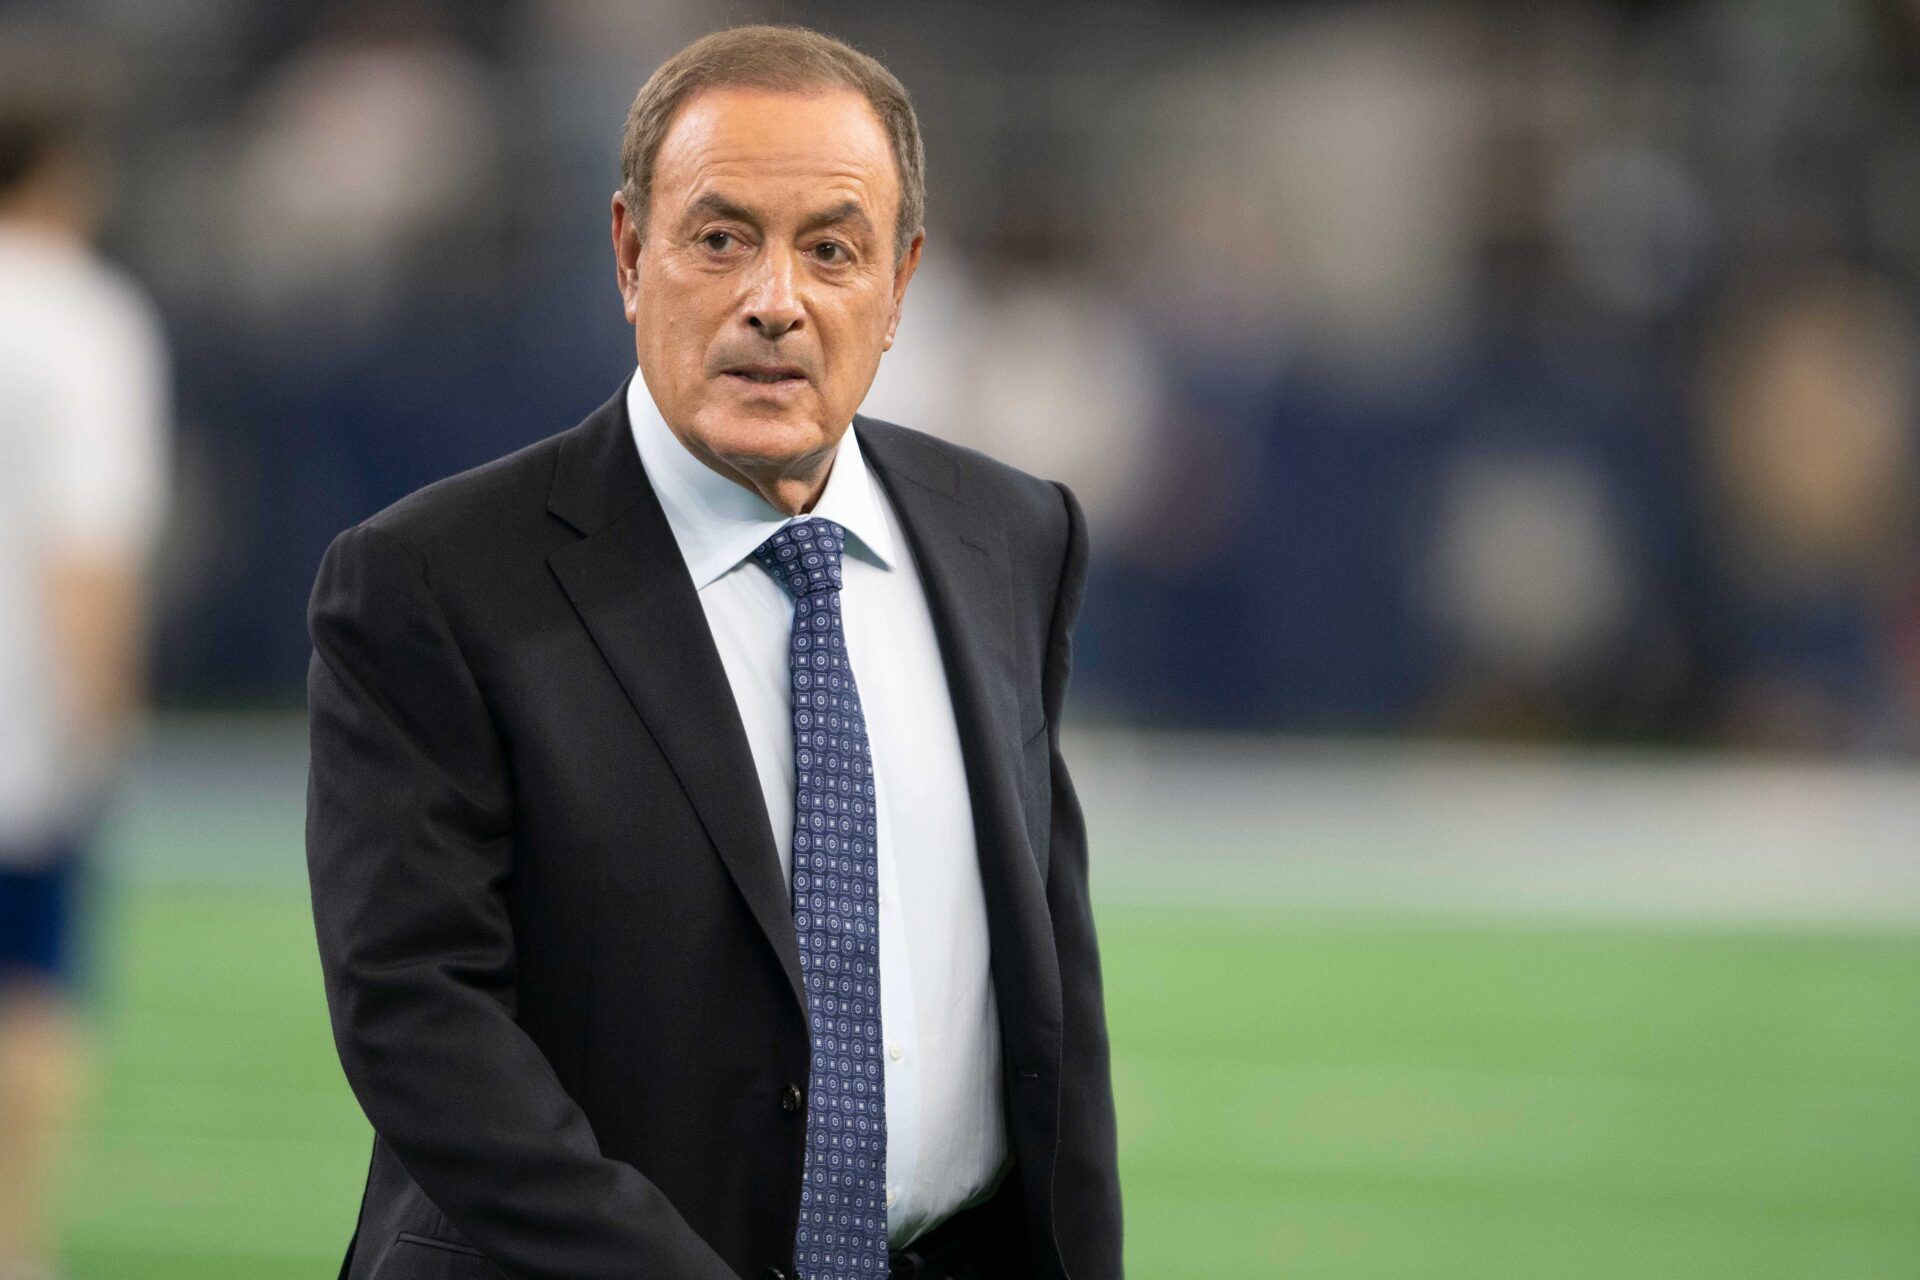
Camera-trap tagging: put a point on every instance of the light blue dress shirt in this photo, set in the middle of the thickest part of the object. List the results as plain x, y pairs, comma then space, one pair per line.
946, 1121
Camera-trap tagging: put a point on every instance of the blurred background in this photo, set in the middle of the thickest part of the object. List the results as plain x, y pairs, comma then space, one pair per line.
1497, 704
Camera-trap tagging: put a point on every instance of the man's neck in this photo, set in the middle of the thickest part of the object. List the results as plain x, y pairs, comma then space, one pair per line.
57, 202
43, 219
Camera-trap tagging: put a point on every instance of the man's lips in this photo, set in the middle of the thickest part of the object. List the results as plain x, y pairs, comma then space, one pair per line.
767, 374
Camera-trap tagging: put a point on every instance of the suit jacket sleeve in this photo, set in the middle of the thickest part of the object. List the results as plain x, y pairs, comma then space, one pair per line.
409, 844
1086, 1171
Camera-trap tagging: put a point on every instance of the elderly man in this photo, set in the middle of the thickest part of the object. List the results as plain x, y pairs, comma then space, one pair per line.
699, 887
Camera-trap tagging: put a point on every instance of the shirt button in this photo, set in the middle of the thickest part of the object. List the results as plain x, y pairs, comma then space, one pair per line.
790, 1099
893, 1051
890, 1197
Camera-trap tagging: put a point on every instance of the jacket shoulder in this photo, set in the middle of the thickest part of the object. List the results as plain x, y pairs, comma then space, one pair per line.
500, 504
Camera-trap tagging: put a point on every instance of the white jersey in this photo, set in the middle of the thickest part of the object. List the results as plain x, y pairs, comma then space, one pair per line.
84, 422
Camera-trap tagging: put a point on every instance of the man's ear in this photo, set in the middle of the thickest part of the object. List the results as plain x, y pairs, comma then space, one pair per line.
903, 272
626, 256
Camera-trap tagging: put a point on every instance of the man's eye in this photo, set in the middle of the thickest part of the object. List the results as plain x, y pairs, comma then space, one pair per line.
831, 251
724, 239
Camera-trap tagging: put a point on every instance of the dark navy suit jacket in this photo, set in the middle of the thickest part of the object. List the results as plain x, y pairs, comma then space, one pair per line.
558, 946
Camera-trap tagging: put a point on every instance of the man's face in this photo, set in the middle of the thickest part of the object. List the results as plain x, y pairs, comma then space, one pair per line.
766, 285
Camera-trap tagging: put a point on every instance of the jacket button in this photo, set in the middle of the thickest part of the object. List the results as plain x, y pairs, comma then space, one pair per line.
790, 1103
773, 1273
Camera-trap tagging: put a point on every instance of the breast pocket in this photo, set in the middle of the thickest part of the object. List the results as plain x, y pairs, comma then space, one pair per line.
414, 1257
1036, 794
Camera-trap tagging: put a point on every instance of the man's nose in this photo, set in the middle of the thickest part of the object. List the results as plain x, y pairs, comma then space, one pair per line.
773, 304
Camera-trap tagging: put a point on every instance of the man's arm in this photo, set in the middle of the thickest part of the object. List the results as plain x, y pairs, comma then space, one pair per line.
1086, 1179
102, 384
410, 841
97, 607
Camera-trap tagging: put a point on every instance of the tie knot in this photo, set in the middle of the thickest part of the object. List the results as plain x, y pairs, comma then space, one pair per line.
804, 557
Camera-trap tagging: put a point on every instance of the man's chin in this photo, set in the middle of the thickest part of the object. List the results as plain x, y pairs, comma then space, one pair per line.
767, 440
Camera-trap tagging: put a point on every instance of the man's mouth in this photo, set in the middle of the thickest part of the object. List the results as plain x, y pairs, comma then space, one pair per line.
767, 374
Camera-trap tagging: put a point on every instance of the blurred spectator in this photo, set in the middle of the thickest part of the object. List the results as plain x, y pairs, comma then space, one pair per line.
1808, 441
366, 167
83, 419
926, 377
1057, 379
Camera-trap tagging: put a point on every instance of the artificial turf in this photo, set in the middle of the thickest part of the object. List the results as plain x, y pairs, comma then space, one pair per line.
1326, 1096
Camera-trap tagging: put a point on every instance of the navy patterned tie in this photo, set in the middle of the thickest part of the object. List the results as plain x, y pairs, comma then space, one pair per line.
836, 913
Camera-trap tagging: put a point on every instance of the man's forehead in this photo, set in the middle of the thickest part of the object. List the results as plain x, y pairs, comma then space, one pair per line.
777, 130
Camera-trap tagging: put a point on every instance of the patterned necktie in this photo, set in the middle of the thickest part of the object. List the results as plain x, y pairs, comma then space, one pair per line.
843, 1215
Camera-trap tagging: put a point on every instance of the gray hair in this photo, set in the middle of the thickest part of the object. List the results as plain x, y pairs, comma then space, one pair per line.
782, 58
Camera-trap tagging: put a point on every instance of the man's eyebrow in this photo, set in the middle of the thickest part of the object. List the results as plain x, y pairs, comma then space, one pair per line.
847, 211
713, 204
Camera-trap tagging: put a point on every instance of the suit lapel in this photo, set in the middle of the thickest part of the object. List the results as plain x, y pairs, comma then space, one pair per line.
628, 583
961, 552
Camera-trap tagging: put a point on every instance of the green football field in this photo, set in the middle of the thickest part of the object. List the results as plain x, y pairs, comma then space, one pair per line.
1305, 1095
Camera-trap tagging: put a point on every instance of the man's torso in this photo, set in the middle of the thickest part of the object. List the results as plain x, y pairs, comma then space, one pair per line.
657, 979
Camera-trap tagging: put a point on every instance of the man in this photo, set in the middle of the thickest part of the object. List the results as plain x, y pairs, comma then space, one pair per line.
83, 424
699, 888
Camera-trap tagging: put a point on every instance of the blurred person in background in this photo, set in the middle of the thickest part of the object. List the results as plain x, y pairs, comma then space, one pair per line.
83, 422
1810, 486
367, 163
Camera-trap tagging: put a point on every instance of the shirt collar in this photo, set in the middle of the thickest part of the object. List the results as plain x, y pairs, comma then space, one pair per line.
718, 523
